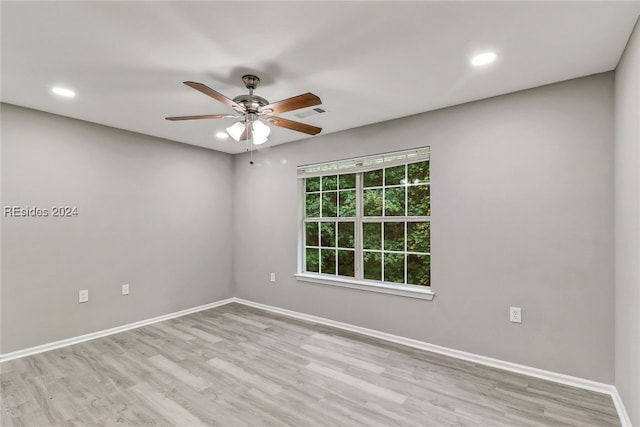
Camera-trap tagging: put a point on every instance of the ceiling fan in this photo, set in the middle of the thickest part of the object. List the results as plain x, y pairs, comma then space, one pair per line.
253, 109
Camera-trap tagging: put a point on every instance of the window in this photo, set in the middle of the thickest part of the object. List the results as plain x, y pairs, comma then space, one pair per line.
366, 223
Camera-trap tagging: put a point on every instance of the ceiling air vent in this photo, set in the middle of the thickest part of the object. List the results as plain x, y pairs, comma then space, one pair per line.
310, 112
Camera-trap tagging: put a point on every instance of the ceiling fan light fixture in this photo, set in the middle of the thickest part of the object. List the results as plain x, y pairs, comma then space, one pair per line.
236, 130
260, 132
253, 109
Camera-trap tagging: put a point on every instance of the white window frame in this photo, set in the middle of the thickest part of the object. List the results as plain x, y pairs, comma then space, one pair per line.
358, 165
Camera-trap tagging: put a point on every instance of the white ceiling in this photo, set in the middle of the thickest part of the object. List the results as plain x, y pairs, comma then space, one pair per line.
368, 61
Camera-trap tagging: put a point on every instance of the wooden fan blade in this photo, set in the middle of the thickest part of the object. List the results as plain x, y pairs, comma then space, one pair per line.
297, 126
209, 116
215, 95
301, 101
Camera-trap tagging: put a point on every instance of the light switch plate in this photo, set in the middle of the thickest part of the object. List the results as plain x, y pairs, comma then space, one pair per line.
83, 296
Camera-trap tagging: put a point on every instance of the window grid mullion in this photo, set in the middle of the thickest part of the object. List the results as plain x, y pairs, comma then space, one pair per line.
335, 246
331, 219
303, 225
321, 197
396, 219
406, 224
383, 226
337, 205
358, 245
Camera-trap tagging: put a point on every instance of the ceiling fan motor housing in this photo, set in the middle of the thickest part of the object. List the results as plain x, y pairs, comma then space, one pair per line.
252, 103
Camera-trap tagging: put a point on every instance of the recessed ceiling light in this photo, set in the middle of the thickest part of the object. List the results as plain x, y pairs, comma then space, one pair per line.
68, 93
483, 59
222, 135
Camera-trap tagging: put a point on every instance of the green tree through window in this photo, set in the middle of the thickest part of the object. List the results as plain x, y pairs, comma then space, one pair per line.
396, 230
330, 208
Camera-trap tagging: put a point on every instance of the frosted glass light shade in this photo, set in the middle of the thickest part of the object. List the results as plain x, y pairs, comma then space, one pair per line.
236, 130
260, 132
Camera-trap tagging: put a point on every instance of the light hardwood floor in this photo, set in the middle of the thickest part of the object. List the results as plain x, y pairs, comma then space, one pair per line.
239, 366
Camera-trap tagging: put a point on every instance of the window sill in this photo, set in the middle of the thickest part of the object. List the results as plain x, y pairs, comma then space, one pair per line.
409, 291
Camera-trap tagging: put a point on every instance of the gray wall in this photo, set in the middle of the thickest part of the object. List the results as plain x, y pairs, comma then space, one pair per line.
152, 213
522, 215
627, 228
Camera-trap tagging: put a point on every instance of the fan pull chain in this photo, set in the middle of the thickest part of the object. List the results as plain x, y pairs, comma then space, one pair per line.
250, 143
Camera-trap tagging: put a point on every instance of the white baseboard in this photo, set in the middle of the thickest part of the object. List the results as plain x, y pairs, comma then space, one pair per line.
622, 411
82, 338
470, 357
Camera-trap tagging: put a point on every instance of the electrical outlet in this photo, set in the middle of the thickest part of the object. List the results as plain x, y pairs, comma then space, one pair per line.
83, 296
125, 289
273, 277
515, 314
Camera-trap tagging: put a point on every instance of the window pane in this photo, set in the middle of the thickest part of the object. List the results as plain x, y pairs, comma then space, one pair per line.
394, 201
372, 235
328, 234
345, 235
418, 236
372, 265
373, 178
394, 236
313, 260
372, 201
394, 176
345, 263
419, 270
347, 181
312, 184
418, 172
311, 234
313, 205
329, 182
329, 204
328, 261
418, 200
347, 203
394, 268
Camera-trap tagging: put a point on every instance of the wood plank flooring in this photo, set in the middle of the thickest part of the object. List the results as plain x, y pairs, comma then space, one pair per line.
239, 366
